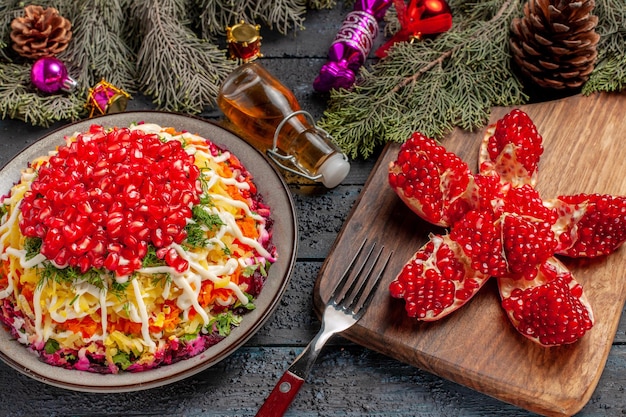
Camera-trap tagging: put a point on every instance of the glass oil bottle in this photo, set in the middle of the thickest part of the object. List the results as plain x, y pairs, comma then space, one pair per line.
270, 117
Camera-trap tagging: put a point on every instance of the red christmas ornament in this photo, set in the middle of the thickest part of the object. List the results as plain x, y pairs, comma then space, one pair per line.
417, 19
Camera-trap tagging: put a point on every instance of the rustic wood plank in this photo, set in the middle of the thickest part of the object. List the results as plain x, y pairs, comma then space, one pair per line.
376, 386
556, 381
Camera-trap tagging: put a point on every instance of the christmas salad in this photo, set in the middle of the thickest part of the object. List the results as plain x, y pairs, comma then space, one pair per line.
129, 248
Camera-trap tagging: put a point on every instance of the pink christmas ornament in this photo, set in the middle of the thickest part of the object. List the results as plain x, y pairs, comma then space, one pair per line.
351, 46
49, 75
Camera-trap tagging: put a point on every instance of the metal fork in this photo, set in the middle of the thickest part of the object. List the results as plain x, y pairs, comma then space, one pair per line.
345, 307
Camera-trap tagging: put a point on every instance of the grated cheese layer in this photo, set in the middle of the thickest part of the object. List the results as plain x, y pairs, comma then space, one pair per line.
105, 323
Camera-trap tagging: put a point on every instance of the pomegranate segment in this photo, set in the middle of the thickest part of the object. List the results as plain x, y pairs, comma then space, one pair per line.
109, 194
437, 185
512, 147
551, 308
526, 229
480, 237
437, 280
589, 225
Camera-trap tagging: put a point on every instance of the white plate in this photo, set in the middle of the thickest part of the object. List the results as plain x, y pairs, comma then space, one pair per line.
274, 192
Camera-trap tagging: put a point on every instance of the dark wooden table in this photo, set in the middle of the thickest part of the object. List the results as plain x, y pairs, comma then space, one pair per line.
348, 380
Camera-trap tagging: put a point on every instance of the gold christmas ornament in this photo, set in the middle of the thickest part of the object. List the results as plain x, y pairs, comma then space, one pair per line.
40, 32
244, 41
105, 98
554, 43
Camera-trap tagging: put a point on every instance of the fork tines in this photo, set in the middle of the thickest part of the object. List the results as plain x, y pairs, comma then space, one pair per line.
360, 271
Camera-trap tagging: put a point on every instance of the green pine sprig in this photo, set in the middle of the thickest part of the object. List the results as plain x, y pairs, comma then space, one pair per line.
279, 15
156, 48
180, 71
98, 49
610, 71
430, 86
20, 101
454, 80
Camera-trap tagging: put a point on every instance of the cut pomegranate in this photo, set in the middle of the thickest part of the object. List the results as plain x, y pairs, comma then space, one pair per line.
500, 227
551, 308
589, 225
105, 196
437, 280
512, 147
437, 185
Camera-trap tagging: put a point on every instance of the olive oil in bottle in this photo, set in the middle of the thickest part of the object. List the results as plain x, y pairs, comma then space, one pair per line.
270, 118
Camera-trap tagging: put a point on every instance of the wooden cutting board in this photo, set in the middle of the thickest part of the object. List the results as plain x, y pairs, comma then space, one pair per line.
585, 151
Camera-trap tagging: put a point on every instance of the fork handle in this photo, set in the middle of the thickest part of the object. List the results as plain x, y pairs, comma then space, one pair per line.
281, 396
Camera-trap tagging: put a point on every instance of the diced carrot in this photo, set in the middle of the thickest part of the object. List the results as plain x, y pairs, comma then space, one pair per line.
173, 317
234, 192
223, 293
171, 131
125, 326
28, 291
247, 225
207, 296
208, 292
85, 326
4, 275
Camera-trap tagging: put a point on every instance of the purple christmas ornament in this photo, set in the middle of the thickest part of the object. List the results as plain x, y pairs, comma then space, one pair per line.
352, 45
49, 75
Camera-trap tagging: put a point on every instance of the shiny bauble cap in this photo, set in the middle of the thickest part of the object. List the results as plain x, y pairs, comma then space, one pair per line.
244, 41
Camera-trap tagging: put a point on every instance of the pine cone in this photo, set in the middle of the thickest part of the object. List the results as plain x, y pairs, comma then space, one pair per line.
554, 44
40, 32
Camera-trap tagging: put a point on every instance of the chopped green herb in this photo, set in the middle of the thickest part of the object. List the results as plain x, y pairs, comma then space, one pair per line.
206, 200
4, 209
223, 322
196, 235
161, 279
190, 336
95, 278
151, 259
32, 246
122, 359
74, 299
250, 306
51, 346
205, 218
249, 270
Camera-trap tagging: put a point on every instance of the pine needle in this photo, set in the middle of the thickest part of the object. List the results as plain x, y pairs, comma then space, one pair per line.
453, 81
279, 15
137, 45
24, 103
429, 86
180, 71
610, 71
98, 50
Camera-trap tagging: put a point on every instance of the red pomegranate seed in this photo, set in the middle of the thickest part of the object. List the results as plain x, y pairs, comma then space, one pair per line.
110, 193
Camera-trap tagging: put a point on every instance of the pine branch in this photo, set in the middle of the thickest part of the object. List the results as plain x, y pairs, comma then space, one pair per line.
281, 15
323, 4
610, 71
177, 69
429, 86
8, 10
20, 101
97, 49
